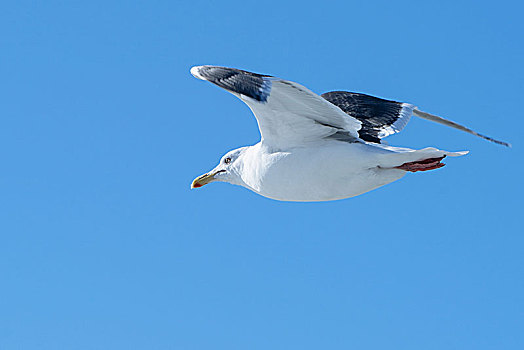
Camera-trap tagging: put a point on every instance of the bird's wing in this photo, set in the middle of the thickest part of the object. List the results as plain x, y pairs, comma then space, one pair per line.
288, 114
447, 122
381, 118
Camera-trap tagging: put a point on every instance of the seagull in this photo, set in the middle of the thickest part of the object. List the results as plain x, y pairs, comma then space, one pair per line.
318, 147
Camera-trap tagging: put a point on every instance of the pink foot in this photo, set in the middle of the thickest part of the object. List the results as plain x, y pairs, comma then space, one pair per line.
422, 165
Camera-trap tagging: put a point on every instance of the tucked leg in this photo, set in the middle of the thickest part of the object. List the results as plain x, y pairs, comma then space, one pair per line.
422, 165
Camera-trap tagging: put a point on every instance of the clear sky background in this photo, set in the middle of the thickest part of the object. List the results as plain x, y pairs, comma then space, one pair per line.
104, 246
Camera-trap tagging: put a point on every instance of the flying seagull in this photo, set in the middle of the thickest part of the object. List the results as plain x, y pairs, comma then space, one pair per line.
318, 148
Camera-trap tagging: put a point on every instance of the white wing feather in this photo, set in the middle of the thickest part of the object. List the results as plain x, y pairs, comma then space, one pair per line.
293, 116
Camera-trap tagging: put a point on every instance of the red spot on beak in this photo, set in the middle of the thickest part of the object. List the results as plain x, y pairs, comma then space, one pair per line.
197, 185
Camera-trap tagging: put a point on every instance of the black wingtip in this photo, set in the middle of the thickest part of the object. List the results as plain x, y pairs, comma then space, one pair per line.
498, 142
256, 86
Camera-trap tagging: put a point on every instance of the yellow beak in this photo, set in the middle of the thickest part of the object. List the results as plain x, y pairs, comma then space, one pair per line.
203, 180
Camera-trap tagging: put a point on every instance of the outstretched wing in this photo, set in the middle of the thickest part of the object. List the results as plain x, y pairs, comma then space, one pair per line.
379, 117
288, 114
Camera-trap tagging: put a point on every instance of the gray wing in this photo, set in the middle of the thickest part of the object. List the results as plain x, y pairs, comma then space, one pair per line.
241, 82
288, 114
452, 124
381, 118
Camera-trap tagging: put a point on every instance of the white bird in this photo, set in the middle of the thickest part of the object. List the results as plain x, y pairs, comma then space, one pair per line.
317, 148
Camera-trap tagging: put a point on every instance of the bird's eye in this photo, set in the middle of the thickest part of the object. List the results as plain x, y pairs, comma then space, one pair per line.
227, 160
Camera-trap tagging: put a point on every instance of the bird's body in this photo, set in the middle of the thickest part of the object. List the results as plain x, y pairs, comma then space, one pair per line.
333, 170
316, 148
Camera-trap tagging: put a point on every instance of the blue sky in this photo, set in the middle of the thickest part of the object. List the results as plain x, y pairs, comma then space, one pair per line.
104, 246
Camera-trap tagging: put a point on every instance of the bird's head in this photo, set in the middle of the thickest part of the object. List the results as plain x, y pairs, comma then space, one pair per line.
228, 170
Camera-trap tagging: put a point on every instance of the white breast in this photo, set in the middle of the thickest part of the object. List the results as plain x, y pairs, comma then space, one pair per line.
319, 172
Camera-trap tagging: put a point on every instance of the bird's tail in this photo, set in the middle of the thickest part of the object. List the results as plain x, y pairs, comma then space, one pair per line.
417, 112
399, 156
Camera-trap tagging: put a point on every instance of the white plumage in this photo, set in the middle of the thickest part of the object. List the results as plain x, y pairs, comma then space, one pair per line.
315, 148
